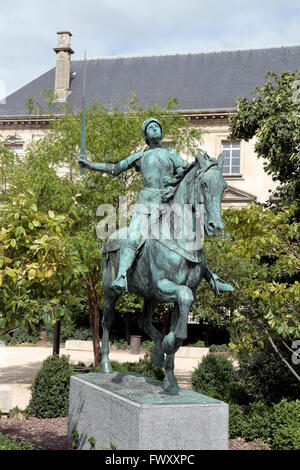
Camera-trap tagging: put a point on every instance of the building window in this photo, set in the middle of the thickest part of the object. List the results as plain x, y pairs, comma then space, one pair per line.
232, 157
18, 151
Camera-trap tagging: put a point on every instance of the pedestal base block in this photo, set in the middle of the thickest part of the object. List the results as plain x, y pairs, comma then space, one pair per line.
132, 412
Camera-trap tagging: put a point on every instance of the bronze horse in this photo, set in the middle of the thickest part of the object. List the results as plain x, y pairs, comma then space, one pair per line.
167, 270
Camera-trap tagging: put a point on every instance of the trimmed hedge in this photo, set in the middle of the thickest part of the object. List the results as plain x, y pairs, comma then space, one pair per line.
216, 377
50, 389
286, 425
279, 424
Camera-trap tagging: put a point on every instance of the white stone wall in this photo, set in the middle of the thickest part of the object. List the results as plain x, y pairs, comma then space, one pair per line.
252, 178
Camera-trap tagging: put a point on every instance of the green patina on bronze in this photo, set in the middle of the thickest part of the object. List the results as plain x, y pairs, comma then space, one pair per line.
143, 390
159, 269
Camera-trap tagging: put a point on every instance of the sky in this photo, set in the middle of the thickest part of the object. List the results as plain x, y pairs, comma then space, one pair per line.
134, 27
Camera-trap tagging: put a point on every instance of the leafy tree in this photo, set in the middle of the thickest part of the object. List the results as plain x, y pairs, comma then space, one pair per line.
35, 262
261, 257
272, 116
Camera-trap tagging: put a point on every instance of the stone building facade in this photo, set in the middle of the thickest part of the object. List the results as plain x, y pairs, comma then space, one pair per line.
206, 85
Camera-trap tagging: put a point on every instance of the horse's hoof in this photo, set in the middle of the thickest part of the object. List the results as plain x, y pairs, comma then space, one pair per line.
105, 367
157, 358
171, 388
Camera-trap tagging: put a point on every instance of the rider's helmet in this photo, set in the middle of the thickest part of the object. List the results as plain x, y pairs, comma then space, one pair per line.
146, 124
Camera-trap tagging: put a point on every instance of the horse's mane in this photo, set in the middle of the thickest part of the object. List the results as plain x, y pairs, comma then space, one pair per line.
201, 163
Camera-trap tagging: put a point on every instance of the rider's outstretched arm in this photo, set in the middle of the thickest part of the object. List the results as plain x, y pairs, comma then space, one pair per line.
113, 168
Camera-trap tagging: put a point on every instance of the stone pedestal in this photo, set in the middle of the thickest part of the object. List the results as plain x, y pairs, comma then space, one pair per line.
5, 398
132, 412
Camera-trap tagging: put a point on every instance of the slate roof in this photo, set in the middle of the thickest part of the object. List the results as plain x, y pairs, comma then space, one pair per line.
200, 81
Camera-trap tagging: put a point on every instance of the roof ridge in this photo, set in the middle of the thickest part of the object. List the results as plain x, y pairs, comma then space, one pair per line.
134, 56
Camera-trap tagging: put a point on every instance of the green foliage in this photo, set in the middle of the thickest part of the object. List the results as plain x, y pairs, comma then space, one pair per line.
17, 414
266, 377
120, 343
50, 389
92, 442
260, 257
8, 443
148, 345
286, 425
198, 344
236, 421
279, 424
75, 437
70, 331
218, 348
111, 447
144, 366
257, 421
216, 377
272, 116
34, 252
26, 335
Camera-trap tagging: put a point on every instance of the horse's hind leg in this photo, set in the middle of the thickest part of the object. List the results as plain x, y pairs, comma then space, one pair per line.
145, 322
110, 299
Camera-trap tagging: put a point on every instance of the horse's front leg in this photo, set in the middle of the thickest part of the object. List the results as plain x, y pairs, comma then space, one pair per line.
107, 320
184, 296
170, 382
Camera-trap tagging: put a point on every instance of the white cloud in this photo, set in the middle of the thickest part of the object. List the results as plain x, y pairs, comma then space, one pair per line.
113, 27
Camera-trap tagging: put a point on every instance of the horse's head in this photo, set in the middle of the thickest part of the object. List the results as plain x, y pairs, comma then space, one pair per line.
208, 190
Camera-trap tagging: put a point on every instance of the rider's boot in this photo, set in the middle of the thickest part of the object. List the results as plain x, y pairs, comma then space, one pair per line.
127, 258
217, 284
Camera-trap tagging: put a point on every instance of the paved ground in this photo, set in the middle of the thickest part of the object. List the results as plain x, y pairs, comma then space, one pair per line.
19, 365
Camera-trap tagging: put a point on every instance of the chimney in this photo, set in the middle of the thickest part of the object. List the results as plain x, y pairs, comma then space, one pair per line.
62, 72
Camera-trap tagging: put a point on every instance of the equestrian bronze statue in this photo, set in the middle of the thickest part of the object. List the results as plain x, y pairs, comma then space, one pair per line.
160, 256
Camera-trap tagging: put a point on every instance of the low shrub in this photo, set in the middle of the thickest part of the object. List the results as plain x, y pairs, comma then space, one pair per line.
285, 425
120, 343
257, 421
278, 425
17, 414
199, 344
218, 348
50, 389
216, 377
144, 366
236, 421
25, 335
147, 345
8, 443
82, 334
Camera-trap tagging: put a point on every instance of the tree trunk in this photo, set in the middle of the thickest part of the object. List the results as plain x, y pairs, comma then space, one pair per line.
94, 318
127, 327
208, 337
96, 337
56, 338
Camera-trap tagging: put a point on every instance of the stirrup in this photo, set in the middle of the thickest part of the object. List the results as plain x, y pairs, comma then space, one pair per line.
222, 286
